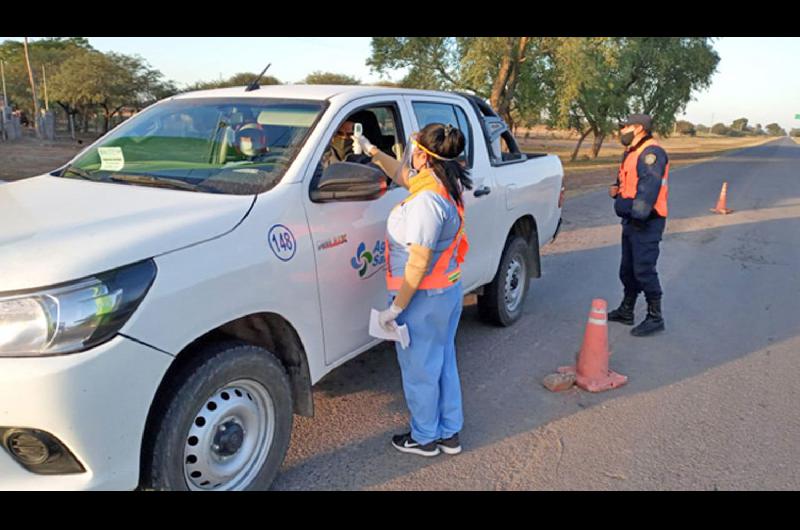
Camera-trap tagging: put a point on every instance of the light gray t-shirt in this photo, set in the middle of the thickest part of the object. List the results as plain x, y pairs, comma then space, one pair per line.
429, 220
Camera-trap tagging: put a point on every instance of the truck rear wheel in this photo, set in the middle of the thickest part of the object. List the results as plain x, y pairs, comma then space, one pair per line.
502, 300
225, 425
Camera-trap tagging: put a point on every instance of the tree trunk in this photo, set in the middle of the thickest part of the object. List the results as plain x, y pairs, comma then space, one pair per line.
33, 92
504, 86
498, 96
106, 118
598, 143
578, 147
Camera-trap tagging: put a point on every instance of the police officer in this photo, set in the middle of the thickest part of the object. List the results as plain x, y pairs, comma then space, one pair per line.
640, 195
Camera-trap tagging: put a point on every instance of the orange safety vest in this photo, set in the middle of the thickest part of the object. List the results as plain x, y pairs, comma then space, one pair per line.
438, 278
629, 179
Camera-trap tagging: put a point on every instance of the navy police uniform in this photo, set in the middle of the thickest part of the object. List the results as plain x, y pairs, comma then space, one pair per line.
642, 226
641, 202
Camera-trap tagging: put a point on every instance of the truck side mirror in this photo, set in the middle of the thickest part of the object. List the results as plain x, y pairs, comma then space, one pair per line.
348, 181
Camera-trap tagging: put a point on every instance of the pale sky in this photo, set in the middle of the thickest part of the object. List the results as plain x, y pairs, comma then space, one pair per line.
757, 78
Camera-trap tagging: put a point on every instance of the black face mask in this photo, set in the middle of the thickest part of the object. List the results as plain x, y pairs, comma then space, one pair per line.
626, 139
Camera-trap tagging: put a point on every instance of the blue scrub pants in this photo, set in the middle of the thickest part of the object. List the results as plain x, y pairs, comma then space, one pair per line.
428, 366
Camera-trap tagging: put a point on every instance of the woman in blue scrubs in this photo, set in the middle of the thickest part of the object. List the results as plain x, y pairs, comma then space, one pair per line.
427, 243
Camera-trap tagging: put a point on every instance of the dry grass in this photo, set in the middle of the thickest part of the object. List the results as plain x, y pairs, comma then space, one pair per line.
28, 156
587, 174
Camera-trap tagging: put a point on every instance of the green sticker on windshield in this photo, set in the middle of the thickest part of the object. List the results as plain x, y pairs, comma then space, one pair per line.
111, 158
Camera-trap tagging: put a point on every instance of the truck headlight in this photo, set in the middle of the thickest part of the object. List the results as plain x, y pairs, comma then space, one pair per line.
72, 317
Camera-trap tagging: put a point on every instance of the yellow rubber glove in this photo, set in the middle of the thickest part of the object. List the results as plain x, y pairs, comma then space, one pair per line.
419, 259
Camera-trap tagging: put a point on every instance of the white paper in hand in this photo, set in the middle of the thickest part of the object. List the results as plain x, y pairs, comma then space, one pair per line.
398, 333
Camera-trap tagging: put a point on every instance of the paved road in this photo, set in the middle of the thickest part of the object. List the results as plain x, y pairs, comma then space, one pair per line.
712, 403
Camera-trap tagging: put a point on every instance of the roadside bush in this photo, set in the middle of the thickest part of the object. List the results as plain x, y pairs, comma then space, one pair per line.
795, 133
719, 128
685, 128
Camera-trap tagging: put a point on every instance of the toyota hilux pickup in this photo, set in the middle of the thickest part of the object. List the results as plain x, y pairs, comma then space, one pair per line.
169, 297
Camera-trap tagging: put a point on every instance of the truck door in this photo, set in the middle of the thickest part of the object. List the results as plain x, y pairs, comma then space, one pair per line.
349, 236
480, 203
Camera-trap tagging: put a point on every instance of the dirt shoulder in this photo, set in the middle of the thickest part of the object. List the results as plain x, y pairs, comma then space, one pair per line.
28, 157
585, 174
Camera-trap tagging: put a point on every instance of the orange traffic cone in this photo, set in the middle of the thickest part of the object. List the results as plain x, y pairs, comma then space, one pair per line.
723, 195
592, 366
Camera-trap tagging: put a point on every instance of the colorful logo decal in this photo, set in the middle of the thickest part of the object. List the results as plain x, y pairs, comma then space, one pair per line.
282, 242
365, 259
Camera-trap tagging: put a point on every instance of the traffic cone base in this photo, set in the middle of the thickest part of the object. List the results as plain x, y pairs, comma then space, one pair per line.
723, 211
598, 384
591, 369
721, 206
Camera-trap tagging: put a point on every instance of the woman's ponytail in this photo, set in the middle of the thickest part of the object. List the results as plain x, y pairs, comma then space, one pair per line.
447, 142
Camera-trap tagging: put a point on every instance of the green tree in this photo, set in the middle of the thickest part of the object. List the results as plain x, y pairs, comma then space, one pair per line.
390, 84
719, 128
47, 52
329, 78
506, 71
240, 79
700, 128
773, 129
739, 125
110, 81
596, 81
794, 133
685, 127
584, 88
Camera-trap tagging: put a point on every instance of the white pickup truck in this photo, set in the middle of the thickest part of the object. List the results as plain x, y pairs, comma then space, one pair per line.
169, 297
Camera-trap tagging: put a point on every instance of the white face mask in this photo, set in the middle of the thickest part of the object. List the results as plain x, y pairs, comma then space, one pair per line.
246, 147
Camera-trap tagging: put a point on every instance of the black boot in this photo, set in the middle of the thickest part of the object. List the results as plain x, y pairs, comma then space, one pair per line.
653, 322
624, 313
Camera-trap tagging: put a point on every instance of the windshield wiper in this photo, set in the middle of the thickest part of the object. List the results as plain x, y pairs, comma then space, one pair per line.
77, 171
151, 180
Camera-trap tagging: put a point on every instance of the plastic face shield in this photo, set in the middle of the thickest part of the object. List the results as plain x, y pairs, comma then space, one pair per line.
406, 169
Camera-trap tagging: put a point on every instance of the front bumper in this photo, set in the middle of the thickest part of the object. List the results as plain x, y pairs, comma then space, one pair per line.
95, 402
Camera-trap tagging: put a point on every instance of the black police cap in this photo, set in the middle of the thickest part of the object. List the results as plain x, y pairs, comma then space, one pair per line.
638, 119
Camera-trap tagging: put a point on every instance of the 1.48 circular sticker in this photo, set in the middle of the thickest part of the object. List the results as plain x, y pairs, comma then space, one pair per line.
282, 242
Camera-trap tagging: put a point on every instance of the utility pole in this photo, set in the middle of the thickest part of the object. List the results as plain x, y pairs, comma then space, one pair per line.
46, 100
5, 103
33, 91
3, 75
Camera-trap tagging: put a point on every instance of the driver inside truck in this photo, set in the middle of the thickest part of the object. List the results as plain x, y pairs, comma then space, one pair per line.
341, 147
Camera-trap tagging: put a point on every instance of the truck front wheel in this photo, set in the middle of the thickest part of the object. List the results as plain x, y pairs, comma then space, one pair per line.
225, 424
502, 299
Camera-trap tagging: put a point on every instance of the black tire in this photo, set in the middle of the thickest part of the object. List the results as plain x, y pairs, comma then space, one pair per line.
203, 379
492, 304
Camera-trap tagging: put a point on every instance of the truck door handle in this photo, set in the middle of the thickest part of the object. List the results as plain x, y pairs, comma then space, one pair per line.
485, 190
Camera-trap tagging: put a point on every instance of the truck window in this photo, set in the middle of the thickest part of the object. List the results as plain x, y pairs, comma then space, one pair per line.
427, 113
224, 145
380, 124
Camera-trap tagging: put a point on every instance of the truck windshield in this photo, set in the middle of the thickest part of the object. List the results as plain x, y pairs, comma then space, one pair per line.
237, 146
